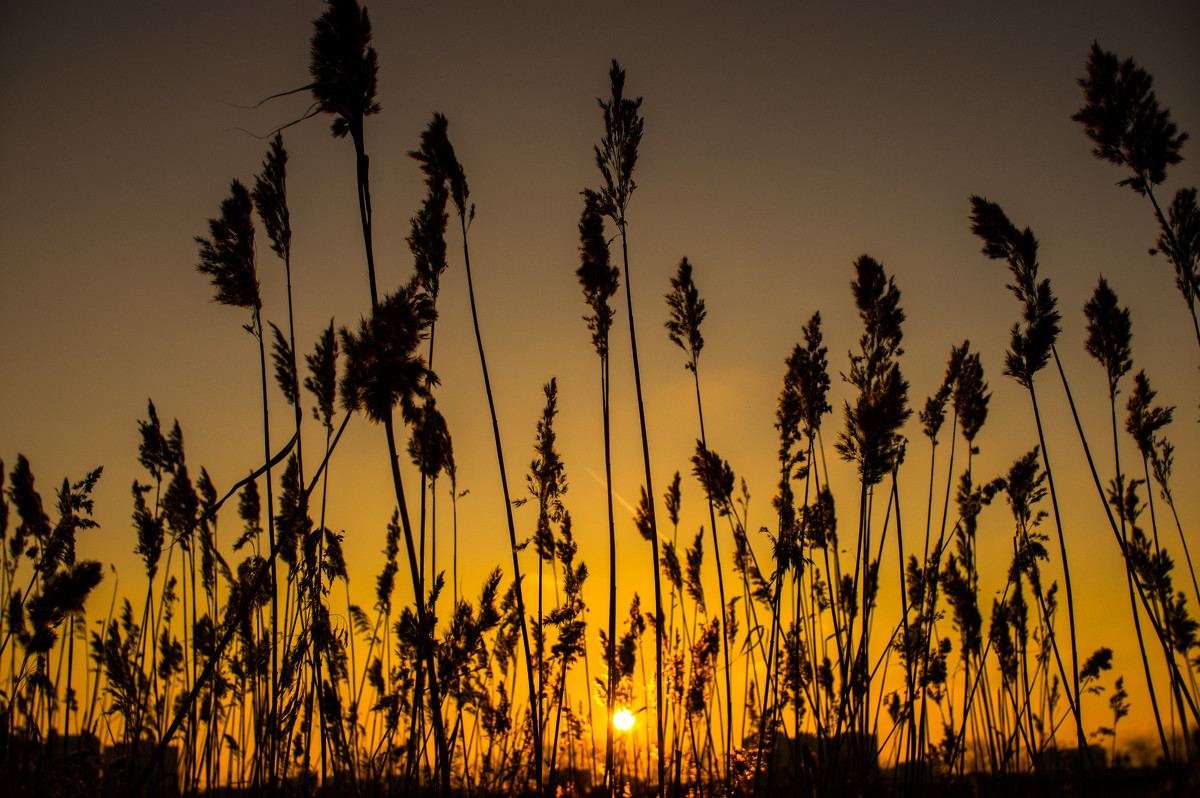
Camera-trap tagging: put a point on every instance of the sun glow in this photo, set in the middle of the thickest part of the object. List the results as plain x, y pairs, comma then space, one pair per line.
623, 719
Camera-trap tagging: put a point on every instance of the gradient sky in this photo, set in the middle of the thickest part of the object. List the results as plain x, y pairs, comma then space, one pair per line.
781, 142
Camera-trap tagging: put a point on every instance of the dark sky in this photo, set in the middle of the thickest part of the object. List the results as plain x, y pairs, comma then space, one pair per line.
781, 142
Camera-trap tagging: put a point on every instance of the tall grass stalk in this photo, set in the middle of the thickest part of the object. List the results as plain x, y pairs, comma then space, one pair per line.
616, 157
1029, 351
1143, 424
600, 281
1108, 341
872, 441
228, 258
344, 69
1128, 127
270, 199
322, 383
430, 444
440, 165
683, 328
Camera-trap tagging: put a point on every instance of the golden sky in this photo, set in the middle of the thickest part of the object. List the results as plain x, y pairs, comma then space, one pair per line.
781, 142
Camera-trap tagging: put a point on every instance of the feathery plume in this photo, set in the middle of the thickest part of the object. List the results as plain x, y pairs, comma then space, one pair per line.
344, 66
687, 312
872, 436
227, 256
599, 278
382, 367
270, 197
1108, 334
616, 155
322, 379
1123, 119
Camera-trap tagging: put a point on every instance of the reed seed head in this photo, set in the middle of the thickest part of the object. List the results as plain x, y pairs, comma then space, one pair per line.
322, 379
227, 255
1108, 334
598, 277
1122, 117
383, 369
687, 312
270, 197
616, 155
344, 66
1180, 242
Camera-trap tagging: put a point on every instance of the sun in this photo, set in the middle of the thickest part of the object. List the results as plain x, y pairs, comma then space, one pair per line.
623, 719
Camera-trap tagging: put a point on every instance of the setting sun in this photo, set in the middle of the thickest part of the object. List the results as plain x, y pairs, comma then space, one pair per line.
624, 720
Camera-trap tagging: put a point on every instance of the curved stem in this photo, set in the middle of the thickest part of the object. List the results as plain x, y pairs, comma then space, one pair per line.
534, 698
364, 208
274, 703
1073, 697
610, 655
658, 613
1158, 630
720, 586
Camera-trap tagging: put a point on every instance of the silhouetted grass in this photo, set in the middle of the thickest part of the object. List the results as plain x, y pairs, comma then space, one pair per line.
211, 689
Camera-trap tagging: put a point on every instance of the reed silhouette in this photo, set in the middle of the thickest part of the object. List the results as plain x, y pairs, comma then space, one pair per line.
236, 668
683, 328
1129, 128
344, 68
440, 165
616, 157
600, 282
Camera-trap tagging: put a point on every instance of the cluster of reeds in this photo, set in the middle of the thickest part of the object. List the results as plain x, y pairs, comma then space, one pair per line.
235, 663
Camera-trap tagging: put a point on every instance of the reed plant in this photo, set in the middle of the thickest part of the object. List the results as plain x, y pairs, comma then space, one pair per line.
616, 157
441, 167
842, 692
380, 365
1129, 128
687, 311
600, 281
872, 441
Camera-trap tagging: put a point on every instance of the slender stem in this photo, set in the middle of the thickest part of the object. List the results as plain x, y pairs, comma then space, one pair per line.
1158, 630
364, 208
658, 613
610, 656
274, 704
720, 585
1129, 576
534, 698
1186, 274
1073, 697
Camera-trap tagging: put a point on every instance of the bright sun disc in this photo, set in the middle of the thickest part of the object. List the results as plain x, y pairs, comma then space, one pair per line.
623, 720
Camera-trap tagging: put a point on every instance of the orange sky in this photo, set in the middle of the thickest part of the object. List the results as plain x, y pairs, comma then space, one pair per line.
781, 142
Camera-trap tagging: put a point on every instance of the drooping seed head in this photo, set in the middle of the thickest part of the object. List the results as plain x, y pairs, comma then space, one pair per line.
598, 277
227, 255
687, 313
270, 197
1029, 345
344, 66
1108, 334
1122, 117
383, 368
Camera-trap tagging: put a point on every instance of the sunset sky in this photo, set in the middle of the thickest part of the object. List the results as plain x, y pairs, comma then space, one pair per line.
782, 141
